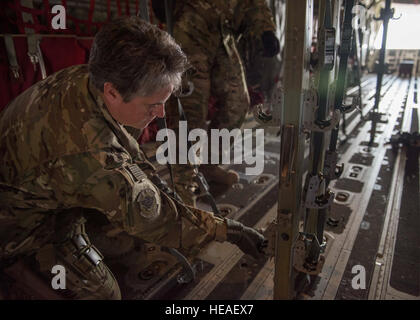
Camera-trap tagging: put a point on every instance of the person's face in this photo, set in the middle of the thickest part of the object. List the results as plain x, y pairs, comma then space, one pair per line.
139, 111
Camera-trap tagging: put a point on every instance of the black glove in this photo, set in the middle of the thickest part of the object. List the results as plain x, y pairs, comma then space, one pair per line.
247, 239
271, 44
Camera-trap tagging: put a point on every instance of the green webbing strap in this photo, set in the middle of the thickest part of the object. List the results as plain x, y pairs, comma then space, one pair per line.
144, 10
328, 20
200, 177
161, 122
168, 15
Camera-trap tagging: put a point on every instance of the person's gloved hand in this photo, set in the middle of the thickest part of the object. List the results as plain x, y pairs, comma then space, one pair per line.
247, 239
271, 44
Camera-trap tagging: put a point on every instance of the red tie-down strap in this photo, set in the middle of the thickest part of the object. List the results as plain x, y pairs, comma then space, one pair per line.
149, 133
58, 52
55, 51
41, 17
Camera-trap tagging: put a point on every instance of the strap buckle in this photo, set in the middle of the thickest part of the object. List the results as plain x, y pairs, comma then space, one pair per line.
89, 251
93, 255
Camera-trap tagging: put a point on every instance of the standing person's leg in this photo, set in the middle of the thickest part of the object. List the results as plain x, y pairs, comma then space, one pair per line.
194, 32
228, 86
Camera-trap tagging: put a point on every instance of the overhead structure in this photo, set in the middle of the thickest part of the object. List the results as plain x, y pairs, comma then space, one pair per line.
386, 14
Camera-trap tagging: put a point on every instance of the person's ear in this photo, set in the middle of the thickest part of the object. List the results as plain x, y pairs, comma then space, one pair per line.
111, 94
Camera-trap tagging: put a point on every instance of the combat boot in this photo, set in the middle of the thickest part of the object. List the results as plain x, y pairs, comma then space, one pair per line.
214, 173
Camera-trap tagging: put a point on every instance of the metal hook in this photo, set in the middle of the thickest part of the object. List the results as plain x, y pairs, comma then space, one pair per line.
398, 18
354, 105
269, 112
387, 14
261, 116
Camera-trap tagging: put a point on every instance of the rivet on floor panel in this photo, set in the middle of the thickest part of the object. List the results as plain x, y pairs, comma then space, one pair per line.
261, 179
146, 274
226, 209
356, 168
238, 186
342, 196
332, 222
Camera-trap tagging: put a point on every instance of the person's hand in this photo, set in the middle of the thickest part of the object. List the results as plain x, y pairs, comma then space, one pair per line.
271, 44
247, 239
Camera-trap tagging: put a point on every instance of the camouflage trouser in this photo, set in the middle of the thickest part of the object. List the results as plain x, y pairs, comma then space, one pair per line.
228, 87
29, 272
225, 84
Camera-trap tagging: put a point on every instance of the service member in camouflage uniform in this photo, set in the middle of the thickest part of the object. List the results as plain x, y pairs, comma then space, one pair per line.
207, 31
65, 148
258, 47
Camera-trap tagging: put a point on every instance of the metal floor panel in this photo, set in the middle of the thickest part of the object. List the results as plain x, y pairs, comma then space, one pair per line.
354, 231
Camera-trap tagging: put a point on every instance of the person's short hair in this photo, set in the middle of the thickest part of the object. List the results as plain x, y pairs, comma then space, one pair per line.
136, 57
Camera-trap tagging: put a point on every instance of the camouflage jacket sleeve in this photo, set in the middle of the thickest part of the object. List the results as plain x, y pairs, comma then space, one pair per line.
252, 18
106, 180
62, 149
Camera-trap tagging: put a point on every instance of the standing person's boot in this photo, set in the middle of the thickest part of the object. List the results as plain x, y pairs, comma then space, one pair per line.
219, 175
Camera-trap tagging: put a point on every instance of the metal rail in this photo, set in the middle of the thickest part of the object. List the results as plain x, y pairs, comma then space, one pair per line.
380, 288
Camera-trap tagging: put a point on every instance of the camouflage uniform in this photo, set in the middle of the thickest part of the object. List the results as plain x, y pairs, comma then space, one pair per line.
253, 18
63, 153
207, 31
